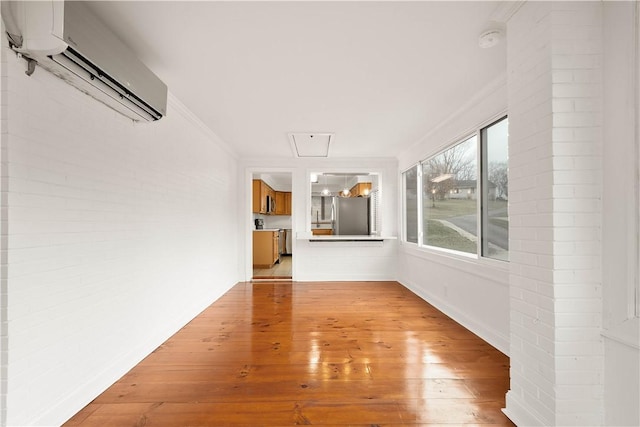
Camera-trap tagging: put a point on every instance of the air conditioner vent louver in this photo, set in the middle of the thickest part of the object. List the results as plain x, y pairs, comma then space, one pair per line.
98, 64
75, 63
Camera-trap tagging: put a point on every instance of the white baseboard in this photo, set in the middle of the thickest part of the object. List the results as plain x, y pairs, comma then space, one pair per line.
518, 414
496, 339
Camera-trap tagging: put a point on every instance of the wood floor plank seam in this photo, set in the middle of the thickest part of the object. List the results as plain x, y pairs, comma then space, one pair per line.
284, 353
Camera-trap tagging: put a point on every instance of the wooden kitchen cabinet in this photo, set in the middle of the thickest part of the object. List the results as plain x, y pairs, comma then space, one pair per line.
358, 190
259, 202
283, 203
275, 249
260, 192
280, 208
270, 191
265, 248
282, 199
287, 203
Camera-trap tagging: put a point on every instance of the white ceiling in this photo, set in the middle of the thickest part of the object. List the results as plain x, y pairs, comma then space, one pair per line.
378, 75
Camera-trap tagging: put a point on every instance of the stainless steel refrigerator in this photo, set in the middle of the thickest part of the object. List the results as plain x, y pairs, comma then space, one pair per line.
350, 216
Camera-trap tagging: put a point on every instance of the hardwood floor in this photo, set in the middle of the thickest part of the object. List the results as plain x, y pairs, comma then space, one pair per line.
281, 270
324, 354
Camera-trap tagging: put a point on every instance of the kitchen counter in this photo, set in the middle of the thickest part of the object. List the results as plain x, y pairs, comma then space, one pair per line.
346, 238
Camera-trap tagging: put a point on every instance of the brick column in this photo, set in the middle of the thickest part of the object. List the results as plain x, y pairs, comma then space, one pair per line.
554, 85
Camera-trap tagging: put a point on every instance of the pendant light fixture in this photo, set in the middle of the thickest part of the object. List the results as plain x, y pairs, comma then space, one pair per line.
345, 192
325, 191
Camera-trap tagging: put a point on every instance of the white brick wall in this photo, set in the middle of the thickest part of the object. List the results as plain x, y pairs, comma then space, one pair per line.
577, 53
555, 81
3, 239
118, 234
530, 161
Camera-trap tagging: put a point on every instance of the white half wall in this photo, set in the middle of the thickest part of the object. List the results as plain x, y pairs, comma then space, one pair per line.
118, 234
346, 261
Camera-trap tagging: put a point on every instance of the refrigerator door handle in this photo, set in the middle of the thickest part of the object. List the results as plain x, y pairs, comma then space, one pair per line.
333, 216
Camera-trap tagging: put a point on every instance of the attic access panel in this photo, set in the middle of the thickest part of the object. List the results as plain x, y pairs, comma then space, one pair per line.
310, 144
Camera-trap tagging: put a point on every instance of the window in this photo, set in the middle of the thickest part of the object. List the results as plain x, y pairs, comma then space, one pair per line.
495, 184
411, 204
462, 202
449, 205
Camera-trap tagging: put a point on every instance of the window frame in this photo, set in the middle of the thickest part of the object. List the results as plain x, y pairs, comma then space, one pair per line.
483, 172
476, 131
403, 179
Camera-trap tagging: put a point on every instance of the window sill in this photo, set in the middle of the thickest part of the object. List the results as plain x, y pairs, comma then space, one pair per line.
495, 270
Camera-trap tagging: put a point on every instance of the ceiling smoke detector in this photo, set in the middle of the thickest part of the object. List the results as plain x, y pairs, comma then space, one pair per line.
490, 38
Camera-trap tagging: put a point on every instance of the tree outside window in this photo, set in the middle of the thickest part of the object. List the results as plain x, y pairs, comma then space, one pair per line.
449, 206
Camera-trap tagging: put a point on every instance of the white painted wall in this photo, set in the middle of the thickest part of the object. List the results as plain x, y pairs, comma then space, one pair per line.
327, 261
118, 234
4, 326
620, 214
345, 261
474, 292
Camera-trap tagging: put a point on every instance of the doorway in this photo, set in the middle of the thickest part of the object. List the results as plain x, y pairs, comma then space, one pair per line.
272, 236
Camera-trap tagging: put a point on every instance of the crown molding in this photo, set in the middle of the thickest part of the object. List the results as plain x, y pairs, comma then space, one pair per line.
177, 106
505, 10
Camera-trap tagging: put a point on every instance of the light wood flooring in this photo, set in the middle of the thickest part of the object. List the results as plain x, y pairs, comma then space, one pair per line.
322, 354
281, 270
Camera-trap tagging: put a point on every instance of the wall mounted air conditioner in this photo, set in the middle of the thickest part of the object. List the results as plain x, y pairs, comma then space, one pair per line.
65, 38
